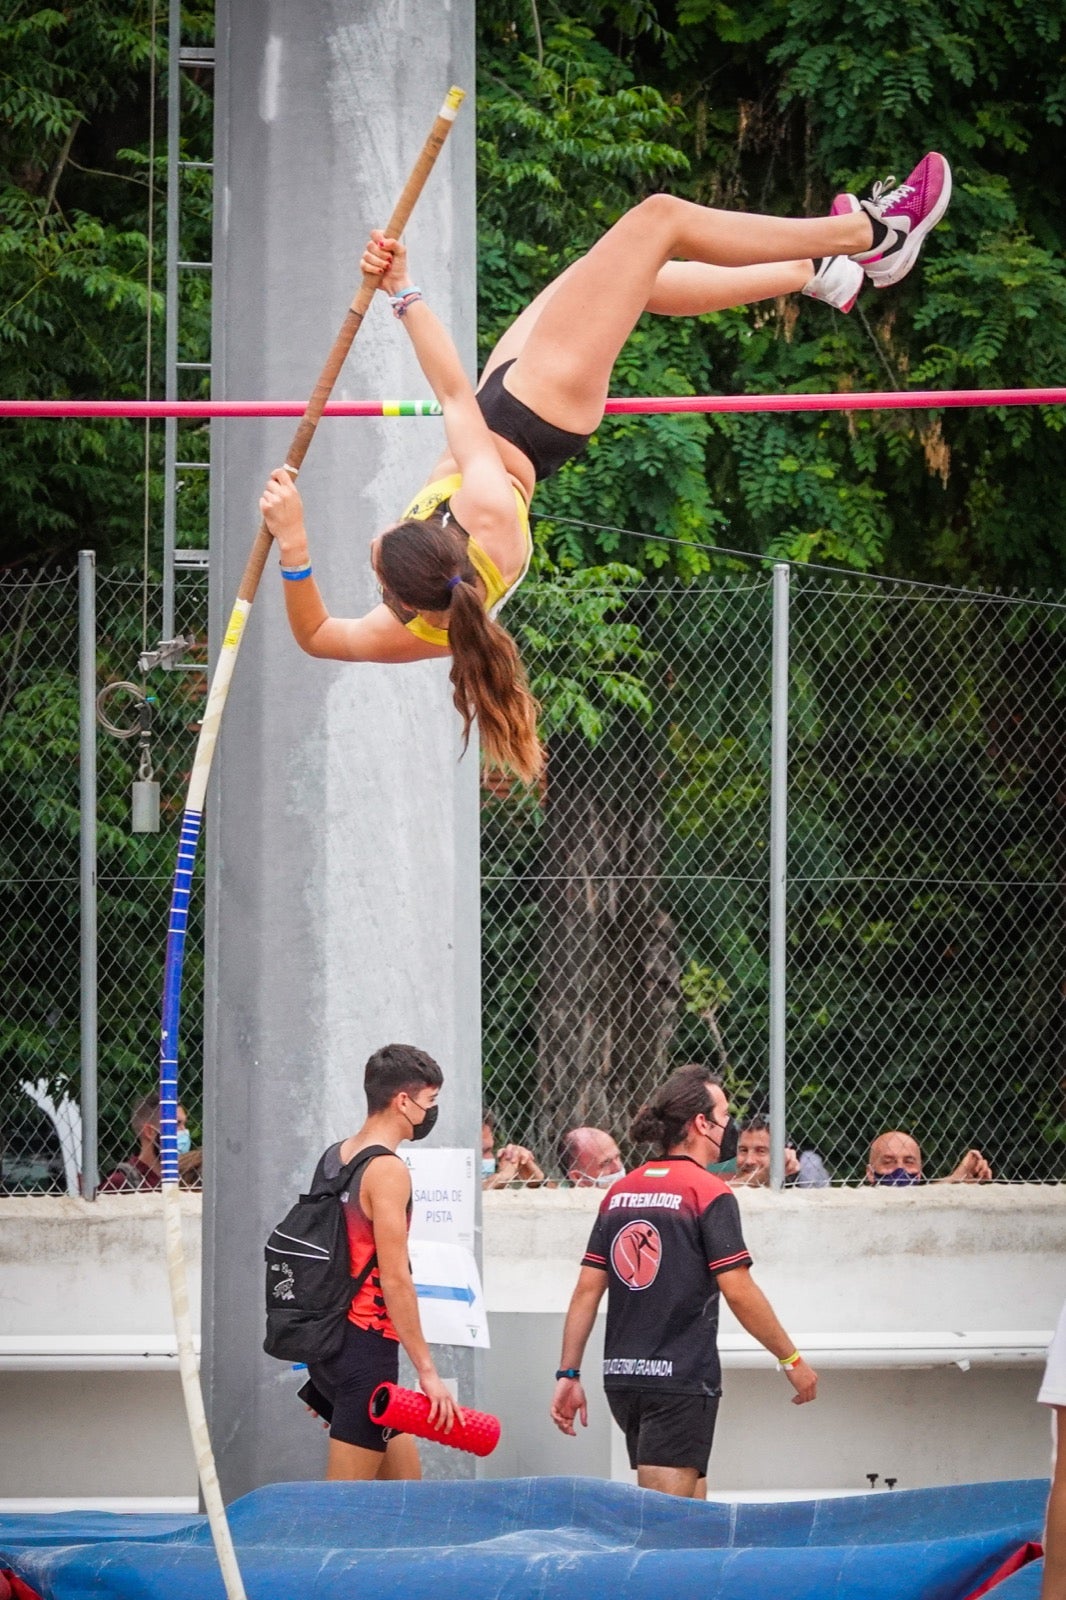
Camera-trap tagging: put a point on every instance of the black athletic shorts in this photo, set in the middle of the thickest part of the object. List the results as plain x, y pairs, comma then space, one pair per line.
665, 1430
340, 1389
547, 446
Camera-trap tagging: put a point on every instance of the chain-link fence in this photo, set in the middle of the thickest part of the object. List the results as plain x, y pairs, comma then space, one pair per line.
626, 909
40, 869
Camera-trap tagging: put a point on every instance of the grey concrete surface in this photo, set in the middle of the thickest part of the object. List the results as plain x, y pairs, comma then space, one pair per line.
342, 855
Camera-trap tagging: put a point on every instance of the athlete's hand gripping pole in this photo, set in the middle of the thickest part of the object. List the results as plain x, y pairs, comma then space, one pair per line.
183, 874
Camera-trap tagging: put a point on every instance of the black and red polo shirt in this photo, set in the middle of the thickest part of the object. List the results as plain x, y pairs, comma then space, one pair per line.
664, 1234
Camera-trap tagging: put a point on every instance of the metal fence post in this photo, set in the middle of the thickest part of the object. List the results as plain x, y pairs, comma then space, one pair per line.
778, 868
87, 752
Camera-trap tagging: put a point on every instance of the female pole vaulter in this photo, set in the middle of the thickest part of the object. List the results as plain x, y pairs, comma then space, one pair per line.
463, 544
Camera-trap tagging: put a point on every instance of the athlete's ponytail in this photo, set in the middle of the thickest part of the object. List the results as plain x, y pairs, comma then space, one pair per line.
489, 683
425, 566
662, 1122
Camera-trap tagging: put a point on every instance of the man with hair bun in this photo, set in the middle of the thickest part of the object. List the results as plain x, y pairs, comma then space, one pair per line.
666, 1242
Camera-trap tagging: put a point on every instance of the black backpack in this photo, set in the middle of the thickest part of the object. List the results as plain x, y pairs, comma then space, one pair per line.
309, 1283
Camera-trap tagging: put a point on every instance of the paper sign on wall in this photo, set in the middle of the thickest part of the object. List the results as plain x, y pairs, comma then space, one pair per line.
451, 1303
443, 1194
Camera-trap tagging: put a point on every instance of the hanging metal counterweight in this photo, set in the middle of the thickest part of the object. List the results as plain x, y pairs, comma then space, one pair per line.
145, 818
145, 793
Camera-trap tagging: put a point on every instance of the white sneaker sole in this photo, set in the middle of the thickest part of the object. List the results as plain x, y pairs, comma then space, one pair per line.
899, 264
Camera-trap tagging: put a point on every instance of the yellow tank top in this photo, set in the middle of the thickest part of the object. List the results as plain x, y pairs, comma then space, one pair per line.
497, 591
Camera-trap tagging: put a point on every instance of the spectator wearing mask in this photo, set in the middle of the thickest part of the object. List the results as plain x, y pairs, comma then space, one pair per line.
402, 1085
143, 1170
895, 1160
512, 1164
590, 1159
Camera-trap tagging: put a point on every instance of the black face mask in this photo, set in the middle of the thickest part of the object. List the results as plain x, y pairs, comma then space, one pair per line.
428, 1123
730, 1140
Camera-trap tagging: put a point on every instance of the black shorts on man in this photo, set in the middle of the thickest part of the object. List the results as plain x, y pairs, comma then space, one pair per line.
340, 1389
665, 1430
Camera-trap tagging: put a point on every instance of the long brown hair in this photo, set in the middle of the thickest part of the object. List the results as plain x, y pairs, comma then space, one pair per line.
425, 566
662, 1122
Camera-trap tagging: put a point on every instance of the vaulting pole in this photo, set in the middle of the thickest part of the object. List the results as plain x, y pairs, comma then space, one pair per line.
190, 833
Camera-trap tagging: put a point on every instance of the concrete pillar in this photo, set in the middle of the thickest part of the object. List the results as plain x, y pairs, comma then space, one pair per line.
342, 851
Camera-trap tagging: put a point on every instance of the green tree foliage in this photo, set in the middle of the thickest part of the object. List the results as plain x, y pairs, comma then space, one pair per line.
74, 309
638, 634
39, 859
774, 107
74, 219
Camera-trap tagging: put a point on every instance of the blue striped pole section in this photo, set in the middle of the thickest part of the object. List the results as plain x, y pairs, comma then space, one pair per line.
192, 819
177, 927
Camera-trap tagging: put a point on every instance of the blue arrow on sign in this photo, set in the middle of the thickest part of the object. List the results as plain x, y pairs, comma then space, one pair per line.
445, 1291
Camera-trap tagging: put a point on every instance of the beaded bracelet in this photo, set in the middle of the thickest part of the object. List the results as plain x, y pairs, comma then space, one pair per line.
295, 574
406, 297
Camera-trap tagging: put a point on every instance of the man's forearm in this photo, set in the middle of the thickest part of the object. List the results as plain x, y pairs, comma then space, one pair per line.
577, 1327
401, 1302
1053, 1585
755, 1314
1054, 1581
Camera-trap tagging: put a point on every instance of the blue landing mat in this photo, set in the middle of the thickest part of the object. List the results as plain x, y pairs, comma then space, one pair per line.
542, 1539
1023, 1585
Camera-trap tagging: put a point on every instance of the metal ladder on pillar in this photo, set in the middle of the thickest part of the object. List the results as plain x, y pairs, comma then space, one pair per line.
177, 559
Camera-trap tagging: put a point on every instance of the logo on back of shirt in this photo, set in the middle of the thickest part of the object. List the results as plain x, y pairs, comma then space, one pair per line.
636, 1254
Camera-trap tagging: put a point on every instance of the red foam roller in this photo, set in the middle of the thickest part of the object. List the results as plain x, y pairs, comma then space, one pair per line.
407, 1411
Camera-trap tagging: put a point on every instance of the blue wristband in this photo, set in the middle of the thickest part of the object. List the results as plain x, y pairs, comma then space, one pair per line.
295, 574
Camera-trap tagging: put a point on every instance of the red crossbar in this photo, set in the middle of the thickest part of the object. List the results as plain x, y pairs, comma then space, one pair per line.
893, 400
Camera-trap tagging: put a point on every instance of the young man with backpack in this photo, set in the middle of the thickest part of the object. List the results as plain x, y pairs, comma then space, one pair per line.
352, 1344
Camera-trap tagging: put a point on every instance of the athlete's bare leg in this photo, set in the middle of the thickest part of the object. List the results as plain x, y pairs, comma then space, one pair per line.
669, 1480
681, 289
401, 1459
564, 366
352, 1464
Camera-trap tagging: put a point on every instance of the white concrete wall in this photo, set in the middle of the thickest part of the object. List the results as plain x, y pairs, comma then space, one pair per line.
834, 1263
71, 1268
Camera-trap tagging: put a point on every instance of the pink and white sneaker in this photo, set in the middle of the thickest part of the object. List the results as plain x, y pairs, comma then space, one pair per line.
902, 216
837, 282
838, 279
